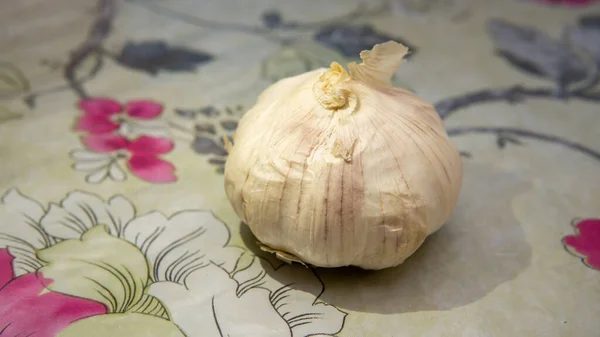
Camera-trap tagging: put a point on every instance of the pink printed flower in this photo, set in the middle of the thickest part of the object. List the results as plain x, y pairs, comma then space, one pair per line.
101, 120
104, 115
569, 2
586, 243
142, 154
27, 308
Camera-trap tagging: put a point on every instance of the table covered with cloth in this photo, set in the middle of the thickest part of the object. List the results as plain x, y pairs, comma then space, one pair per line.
113, 215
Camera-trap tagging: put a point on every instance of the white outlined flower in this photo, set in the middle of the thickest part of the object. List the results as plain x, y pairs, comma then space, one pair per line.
151, 268
98, 166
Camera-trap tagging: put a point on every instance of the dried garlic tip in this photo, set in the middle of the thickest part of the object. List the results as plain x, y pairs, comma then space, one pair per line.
334, 168
331, 90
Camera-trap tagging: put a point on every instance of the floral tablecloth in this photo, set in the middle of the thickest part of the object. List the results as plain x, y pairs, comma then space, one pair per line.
113, 216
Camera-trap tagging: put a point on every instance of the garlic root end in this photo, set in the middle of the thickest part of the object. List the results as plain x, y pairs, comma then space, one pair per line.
281, 255
228, 144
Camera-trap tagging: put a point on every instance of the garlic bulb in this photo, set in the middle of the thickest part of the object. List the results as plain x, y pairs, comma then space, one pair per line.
336, 168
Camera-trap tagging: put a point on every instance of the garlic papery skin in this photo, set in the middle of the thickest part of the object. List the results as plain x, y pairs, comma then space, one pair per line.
335, 168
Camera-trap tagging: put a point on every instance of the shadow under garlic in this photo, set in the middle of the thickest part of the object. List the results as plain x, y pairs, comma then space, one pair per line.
481, 247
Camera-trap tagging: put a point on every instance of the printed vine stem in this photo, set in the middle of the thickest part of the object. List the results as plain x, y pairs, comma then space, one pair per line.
92, 46
508, 131
516, 94
30, 98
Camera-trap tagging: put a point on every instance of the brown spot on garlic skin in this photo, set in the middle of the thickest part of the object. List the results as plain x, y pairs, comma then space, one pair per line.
340, 212
228, 144
357, 210
326, 208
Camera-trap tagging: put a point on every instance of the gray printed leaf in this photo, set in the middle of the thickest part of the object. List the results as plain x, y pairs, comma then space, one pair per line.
534, 52
586, 36
156, 56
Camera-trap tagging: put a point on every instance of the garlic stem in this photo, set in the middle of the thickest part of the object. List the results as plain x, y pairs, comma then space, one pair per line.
379, 64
